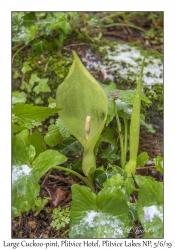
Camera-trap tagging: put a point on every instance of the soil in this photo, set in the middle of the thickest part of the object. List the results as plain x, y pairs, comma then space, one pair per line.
37, 224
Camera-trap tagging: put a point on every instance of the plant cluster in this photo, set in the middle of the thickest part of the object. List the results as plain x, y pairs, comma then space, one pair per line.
61, 218
99, 127
35, 29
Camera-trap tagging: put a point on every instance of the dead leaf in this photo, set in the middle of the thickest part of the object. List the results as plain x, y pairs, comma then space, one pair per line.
57, 195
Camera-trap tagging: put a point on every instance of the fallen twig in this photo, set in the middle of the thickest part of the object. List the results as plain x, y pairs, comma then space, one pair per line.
62, 179
47, 175
18, 51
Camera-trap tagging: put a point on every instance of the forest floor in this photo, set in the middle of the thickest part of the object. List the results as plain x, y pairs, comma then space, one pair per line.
37, 224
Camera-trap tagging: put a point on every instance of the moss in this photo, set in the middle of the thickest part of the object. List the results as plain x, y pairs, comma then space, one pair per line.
156, 96
53, 65
57, 66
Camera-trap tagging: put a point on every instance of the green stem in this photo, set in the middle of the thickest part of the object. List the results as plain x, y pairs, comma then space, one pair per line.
126, 139
121, 140
130, 167
19, 51
113, 15
88, 161
123, 24
84, 179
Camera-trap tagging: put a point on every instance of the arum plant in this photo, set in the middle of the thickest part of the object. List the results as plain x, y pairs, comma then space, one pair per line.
130, 167
84, 109
123, 143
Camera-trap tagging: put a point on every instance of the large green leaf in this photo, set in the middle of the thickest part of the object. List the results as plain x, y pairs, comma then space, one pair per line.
103, 216
25, 187
150, 206
81, 96
22, 151
46, 160
22, 155
30, 116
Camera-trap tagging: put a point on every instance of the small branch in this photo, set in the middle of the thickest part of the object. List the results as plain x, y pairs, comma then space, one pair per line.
36, 213
20, 220
46, 67
19, 51
123, 25
17, 45
62, 179
74, 45
112, 15
114, 33
64, 203
47, 175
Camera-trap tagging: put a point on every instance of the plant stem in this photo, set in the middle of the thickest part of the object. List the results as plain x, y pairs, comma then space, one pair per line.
19, 51
19, 44
112, 15
121, 140
84, 179
124, 25
126, 139
130, 167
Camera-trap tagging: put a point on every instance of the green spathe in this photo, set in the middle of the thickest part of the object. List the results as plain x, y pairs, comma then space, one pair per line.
80, 96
